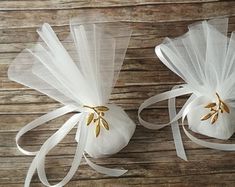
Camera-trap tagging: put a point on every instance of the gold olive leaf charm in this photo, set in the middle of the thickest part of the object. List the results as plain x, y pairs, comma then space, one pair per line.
215, 109
97, 117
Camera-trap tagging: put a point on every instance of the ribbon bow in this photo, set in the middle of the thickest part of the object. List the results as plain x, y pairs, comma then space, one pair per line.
78, 119
193, 101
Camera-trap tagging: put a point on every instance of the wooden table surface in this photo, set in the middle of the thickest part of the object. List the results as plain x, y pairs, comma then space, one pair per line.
150, 156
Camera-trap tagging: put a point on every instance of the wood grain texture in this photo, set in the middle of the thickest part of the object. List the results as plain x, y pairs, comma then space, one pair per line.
150, 156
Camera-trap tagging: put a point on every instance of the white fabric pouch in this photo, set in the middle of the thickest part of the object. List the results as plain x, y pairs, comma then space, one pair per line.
204, 58
80, 73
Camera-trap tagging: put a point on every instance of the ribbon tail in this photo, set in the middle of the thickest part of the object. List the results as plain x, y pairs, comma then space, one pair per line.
40, 121
176, 131
175, 125
170, 95
30, 173
39, 160
104, 170
54, 141
218, 146
34, 165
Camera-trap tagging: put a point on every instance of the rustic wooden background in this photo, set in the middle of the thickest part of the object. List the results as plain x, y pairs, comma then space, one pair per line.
150, 156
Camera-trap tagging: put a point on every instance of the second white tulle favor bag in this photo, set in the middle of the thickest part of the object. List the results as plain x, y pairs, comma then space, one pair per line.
204, 58
80, 73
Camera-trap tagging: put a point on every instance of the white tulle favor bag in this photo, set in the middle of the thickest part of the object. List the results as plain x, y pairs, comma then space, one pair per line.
204, 58
80, 73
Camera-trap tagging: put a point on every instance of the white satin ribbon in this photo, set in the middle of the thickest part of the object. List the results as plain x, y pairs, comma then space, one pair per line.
104, 170
175, 125
175, 92
38, 162
174, 117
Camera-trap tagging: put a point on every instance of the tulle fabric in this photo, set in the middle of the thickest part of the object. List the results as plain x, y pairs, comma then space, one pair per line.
204, 58
81, 70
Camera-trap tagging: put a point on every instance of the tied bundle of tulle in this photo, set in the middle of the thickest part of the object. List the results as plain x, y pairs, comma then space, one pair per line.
80, 73
204, 58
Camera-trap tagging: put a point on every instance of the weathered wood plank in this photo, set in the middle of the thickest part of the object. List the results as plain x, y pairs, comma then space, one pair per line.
150, 156
148, 13
65, 4
119, 95
144, 35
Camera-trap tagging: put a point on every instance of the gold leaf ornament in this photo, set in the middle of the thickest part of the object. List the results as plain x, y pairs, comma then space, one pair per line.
225, 107
105, 124
214, 117
215, 109
102, 108
90, 118
207, 116
210, 105
97, 117
97, 129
